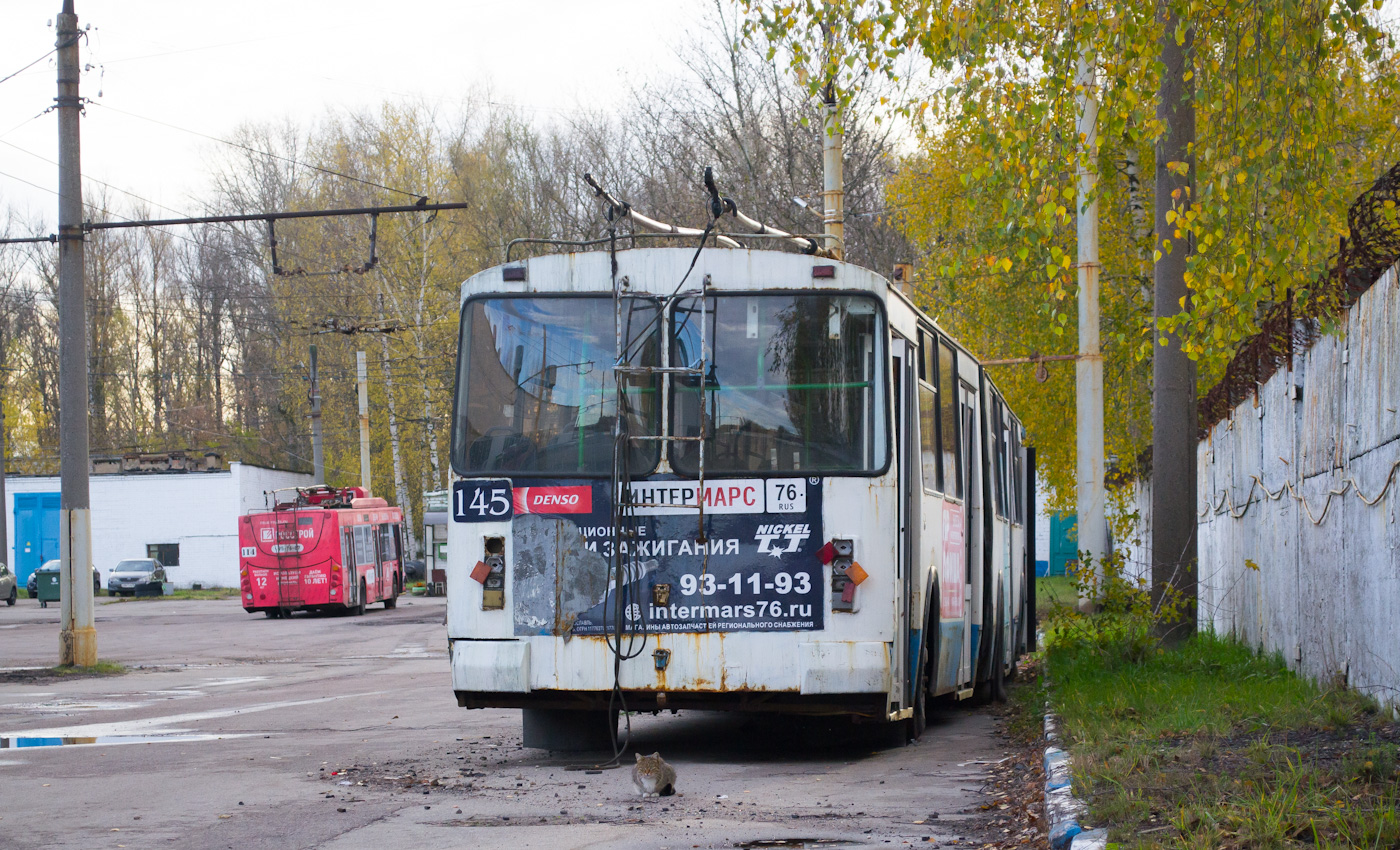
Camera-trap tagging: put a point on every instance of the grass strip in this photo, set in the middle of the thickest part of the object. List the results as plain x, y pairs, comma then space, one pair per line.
1212, 745
185, 593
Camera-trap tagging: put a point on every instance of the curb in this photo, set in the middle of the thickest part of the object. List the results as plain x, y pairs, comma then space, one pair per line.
1062, 809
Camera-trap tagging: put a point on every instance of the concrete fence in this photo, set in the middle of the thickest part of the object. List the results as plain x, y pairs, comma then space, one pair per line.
1299, 494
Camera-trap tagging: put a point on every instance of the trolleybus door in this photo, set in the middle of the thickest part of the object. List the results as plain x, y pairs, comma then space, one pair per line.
350, 569
905, 397
972, 512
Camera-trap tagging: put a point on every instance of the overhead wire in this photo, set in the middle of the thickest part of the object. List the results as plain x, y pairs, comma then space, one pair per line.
14, 74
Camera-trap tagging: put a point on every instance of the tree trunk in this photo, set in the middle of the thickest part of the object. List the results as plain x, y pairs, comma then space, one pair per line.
1173, 373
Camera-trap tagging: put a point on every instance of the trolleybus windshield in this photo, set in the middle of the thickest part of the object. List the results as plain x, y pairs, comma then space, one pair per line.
535, 388
793, 384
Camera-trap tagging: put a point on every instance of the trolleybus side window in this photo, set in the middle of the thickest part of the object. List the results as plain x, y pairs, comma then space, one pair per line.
795, 383
1018, 490
949, 439
999, 456
928, 413
536, 392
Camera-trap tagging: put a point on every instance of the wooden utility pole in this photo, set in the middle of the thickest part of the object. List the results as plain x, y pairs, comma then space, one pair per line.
77, 637
1173, 372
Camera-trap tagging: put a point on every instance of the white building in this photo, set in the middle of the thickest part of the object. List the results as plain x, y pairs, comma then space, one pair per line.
187, 519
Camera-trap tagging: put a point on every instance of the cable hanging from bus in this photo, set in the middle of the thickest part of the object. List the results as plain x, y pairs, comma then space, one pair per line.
771, 469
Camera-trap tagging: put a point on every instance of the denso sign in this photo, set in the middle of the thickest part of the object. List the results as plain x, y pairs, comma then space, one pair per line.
554, 500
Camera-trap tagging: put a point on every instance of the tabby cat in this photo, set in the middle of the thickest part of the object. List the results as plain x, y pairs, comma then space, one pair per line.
653, 776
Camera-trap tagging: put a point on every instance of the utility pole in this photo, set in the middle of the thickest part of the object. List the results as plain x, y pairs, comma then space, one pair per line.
318, 460
833, 166
1088, 370
1173, 372
833, 177
363, 386
400, 487
78, 637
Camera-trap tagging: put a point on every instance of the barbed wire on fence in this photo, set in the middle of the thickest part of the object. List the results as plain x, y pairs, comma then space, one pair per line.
1225, 504
1372, 246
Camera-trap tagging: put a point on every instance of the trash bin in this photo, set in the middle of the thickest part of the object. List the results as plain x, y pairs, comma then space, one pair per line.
47, 586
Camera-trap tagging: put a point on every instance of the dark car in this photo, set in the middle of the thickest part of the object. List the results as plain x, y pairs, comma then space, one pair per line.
52, 567
136, 576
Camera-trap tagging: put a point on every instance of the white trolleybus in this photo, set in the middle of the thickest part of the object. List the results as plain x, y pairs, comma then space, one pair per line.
806, 498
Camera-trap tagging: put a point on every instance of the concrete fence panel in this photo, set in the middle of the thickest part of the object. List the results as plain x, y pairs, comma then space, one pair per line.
1299, 539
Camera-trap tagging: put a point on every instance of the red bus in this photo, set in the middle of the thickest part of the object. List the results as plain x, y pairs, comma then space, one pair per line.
320, 549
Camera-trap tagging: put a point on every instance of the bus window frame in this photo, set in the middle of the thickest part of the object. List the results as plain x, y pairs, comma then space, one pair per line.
958, 493
883, 336
928, 380
663, 344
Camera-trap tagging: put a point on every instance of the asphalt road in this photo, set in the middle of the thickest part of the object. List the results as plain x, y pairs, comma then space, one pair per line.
342, 732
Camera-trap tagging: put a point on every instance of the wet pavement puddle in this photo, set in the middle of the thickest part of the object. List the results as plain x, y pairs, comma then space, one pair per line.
20, 742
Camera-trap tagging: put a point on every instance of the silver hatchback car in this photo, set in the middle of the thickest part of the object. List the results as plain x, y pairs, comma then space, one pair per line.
9, 590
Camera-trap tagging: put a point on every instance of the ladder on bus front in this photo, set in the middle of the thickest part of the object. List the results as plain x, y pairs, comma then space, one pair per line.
625, 624
627, 371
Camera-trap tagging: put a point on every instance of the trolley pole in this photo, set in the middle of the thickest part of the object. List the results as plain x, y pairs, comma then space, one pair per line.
1088, 383
362, 379
318, 460
78, 637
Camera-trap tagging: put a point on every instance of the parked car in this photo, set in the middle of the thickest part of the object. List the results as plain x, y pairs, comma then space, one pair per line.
8, 591
138, 576
52, 567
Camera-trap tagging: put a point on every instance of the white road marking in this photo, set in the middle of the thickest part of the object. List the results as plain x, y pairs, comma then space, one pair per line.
168, 724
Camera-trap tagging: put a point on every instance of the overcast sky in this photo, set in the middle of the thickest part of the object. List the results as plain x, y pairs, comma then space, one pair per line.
206, 67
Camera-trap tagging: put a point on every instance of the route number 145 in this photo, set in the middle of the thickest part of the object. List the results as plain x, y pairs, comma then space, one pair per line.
487, 500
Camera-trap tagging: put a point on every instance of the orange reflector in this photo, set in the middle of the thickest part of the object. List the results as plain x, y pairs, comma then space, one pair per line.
480, 572
855, 573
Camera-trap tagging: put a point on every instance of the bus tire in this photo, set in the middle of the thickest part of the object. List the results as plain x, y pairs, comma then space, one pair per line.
392, 602
359, 608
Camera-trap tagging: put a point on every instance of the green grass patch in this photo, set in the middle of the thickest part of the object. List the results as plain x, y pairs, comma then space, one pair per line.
187, 593
1213, 745
1051, 591
101, 668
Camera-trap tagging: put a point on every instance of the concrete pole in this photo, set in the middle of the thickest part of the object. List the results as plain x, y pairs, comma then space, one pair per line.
833, 177
318, 460
362, 373
77, 638
1088, 370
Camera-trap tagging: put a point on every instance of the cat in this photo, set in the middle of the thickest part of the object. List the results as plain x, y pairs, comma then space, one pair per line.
653, 777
